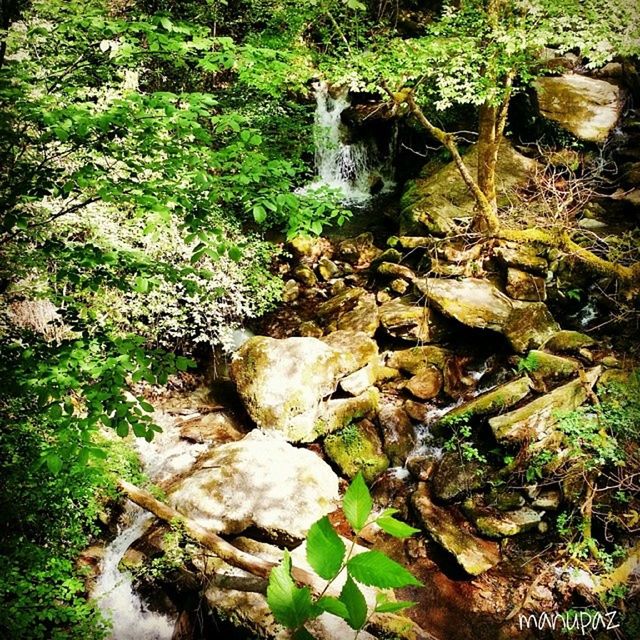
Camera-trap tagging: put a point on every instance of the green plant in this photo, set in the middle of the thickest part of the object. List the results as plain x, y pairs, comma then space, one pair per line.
460, 439
528, 364
327, 554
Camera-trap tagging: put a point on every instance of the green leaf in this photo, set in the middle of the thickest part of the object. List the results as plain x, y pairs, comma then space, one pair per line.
357, 503
376, 569
290, 604
235, 253
355, 603
394, 527
259, 213
334, 606
392, 607
325, 549
54, 463
302, 634
182, 363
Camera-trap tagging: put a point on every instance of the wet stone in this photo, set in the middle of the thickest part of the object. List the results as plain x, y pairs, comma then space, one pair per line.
426, 384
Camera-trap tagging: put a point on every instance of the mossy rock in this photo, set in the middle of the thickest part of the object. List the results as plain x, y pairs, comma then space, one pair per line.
355, 448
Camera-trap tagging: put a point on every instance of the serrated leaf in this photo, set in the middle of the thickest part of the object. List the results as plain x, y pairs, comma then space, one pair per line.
394, 527
334, 606
392, 607
290, 604
355, 603
357, 503
325, 549
376, 569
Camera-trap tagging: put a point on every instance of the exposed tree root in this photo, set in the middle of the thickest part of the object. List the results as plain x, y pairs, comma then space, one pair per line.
387, 623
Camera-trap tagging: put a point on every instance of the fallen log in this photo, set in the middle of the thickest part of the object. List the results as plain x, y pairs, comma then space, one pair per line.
387, 623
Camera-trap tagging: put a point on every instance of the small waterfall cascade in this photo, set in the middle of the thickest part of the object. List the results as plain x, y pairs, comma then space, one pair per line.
129, 615
163, 458
354, 169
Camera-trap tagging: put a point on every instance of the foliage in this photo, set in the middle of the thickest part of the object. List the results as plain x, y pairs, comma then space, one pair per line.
327, 554
460, 440
45, 521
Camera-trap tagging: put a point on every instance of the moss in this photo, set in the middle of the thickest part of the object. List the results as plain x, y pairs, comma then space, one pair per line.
355, 448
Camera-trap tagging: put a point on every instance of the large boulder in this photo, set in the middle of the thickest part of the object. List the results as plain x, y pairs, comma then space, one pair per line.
586, 107
260, 481
473, 302
408, 320
529, 325
433, 201
284, 383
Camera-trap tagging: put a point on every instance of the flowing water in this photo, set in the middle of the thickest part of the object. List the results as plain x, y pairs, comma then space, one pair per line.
163, 458
350, 168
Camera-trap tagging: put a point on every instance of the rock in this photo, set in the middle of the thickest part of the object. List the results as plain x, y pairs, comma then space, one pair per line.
505, 500
340, 303
536, 420
500, 524
586, 107
396, 271
397, 432
457, 382
304, 274
473, 554
363, 317
355, 448
382, 297
529, 325
327, 268
413, 359
418, 411
546, 369
359, 381
291, 291
426, 384
392, 489
337, 287
337, 413
388, 255
493, 401
216, 427
521, 257
399, 286
311, 368
432, 202
359, 251
310, 329
547, 500
260, 481
454, 477
473, 302
565, 340
524, 286
407, 320
307, 248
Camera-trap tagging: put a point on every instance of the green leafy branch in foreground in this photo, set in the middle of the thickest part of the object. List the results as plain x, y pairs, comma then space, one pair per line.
327, 554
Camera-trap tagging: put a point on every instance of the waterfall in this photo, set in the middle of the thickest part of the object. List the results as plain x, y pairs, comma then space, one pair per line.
350, 168
130, 617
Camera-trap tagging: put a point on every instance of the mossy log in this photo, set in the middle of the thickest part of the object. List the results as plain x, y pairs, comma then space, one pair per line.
387, 624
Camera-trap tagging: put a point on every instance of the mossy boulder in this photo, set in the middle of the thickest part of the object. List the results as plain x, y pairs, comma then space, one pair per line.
413, 359
525, 286
494, 523
454, 477
357, 447
432, 202
498, 399
453, 533
406, 319
350, 310
529, 325
471, 301
566, 341
283, 383
537, 419
547, 369
586, 107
